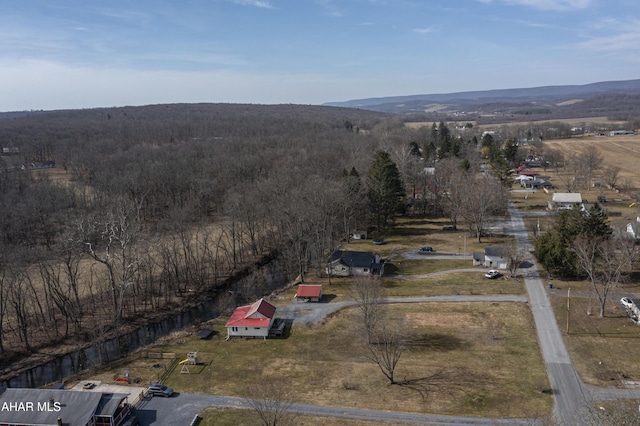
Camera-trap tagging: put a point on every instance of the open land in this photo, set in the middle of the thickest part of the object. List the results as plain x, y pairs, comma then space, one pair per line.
487, 352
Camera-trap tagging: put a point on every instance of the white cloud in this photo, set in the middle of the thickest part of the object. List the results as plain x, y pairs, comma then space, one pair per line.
625, 38
546, 4
257, 3
428, 30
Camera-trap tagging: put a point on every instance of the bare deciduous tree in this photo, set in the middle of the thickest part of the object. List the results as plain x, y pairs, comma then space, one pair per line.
590, 161
515, 256
386, 345
367, 292
611, 175
272, 403
605, 262
482, 198
113, 242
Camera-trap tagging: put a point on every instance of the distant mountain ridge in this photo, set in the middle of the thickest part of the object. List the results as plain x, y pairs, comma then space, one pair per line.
522, 97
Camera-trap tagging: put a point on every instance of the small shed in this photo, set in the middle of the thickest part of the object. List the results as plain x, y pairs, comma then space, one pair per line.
309, 293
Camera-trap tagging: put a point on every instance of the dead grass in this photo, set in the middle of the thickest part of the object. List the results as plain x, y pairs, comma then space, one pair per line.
622, 151
457, 283
486, 353
602, 349
222, 416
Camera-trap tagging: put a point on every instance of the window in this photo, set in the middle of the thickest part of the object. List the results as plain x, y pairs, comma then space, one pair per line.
234, 328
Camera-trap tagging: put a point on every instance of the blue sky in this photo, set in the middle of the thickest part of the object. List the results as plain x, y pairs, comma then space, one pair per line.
85, 53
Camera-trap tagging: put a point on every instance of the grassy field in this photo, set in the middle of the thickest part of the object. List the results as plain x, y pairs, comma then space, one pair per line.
622, 151
602, 349
238, 417
484, 354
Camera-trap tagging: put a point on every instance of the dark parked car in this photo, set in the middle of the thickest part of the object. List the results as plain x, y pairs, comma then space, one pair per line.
426, 249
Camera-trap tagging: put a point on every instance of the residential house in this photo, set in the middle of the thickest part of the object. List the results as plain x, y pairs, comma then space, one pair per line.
564, 200
537, 182
253, 320
633, 229
494, 257
50, 407
345, 263
309, 292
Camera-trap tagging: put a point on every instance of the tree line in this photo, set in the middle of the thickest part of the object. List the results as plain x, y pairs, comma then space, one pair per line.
151, 208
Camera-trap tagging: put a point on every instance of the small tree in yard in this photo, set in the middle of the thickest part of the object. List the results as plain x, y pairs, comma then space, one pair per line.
384, 338
367, 292
515, 256
386, 346
605, 262
271, 401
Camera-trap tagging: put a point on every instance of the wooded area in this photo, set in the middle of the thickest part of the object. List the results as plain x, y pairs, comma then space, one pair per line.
121, 215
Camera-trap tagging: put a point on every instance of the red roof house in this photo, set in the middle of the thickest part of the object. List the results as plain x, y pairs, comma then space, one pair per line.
253, 320
309, 292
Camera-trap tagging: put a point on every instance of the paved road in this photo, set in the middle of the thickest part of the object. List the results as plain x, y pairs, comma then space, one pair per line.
181, 409
568, 390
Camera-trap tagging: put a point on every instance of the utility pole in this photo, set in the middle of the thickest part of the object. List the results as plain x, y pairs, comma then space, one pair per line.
568, 307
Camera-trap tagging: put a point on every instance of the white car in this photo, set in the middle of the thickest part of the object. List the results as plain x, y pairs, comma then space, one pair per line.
627, 302
160, 390
492, 274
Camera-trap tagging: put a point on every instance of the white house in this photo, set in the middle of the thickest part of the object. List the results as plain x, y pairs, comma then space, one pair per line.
345, 263
494, 257
253, 320
564, 200
633, 229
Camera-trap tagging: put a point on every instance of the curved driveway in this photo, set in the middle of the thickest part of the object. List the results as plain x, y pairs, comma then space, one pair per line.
311, 313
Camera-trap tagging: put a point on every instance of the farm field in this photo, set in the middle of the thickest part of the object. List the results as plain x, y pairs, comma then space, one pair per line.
622, 151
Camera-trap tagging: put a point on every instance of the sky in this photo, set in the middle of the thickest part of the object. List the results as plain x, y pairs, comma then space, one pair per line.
69, 54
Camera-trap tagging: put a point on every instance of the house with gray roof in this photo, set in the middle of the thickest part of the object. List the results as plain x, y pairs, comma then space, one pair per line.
55, 407
345, 263
494, 257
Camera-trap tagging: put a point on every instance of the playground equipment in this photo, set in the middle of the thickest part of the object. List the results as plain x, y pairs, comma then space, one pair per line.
192, 359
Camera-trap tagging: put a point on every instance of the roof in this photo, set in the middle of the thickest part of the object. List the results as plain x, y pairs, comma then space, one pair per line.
567, 197
258, 314
76, 407
358, 259
494, 250
309, 290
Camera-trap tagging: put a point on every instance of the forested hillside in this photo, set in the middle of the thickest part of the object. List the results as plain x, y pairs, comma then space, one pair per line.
148, 209
113, 217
